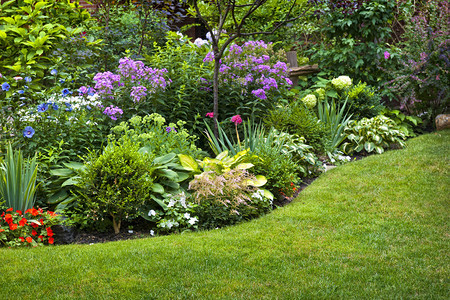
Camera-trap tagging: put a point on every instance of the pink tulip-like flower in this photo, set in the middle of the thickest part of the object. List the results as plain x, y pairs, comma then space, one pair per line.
210, 114
236, 119
386, 55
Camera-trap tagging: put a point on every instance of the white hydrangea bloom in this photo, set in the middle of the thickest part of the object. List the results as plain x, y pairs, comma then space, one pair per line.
151, 213
187, 215
199, 42
309, 100
341, 82
193, 220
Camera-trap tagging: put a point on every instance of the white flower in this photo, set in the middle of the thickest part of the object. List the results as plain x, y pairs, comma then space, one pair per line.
130, 231
341, 82
151, 213
187, 215
193, 220
152, 233
309, 100
199, 42
171, 203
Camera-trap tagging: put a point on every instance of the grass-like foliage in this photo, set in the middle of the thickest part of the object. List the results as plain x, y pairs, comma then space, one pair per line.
18, 180
375, 228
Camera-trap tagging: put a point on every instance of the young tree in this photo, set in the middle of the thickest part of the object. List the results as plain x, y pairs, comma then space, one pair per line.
234, 16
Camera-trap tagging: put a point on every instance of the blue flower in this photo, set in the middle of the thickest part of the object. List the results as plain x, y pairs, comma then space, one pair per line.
88, 107
25, 87
28, 79
66, 92
5, 86
62, 81
54, 72
21, 91
42, 107
28, 132
69, 106
55, 106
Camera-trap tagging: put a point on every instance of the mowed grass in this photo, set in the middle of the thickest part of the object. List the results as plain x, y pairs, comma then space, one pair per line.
372, 229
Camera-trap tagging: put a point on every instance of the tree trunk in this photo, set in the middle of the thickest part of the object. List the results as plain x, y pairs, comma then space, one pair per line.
116, 224
216, 92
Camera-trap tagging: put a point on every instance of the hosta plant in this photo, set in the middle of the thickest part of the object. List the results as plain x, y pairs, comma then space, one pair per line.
373, 135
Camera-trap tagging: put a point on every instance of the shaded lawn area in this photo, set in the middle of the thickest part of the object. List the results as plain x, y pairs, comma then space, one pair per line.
374, 228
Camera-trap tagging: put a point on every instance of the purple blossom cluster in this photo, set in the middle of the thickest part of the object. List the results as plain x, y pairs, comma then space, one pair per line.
113, 112
254, 67
137, 79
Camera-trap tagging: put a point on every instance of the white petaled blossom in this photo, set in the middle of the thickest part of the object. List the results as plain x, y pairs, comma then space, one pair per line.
171, 203
341, 82
187, 215
183, 199
193, 220
152, 233
310, 101
151, 213
258, 194
199, 42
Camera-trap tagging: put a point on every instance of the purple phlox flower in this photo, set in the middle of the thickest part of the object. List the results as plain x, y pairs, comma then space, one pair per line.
28, 132
281, 66
257, 60
266, 57
138, 92
209, 57
169, 129
82, 90
235, 49
288, 81
28, 79
66, 92
236, 119
5, 86
268, 83
386, 55
106, 82
113, 112
224, 68
261, 68
260, 93
42, 107
54, 72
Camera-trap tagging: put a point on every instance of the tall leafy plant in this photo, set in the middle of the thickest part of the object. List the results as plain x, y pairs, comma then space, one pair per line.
18, 180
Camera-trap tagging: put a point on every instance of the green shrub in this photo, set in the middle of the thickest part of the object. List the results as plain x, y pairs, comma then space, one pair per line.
227, 199
375, 134
363, 101
298, 120
117, 182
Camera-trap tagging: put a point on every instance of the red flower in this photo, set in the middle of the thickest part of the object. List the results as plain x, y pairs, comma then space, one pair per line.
41, 237
51, 213
8, 219
32, 211
49, 231
22, 239
1, 230
34, 225
41, 221
40, 210
19, 212
210, 114
23, 222
3, 214
33, 232
51, 240
29, 239
9, 209
13, 226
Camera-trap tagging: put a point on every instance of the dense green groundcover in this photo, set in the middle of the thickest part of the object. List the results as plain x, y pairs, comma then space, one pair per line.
375, 228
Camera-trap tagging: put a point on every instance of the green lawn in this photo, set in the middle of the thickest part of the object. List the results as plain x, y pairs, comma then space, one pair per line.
374, 228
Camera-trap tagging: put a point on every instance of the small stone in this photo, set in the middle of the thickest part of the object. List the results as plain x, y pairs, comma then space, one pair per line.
442, 121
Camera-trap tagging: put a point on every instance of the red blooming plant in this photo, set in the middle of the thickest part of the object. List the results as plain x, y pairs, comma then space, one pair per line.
27, 229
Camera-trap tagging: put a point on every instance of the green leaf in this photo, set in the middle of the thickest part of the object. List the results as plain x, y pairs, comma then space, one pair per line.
2, 34
369, 146
189, 163
157, 188
244, 166
71, 181
164, 159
